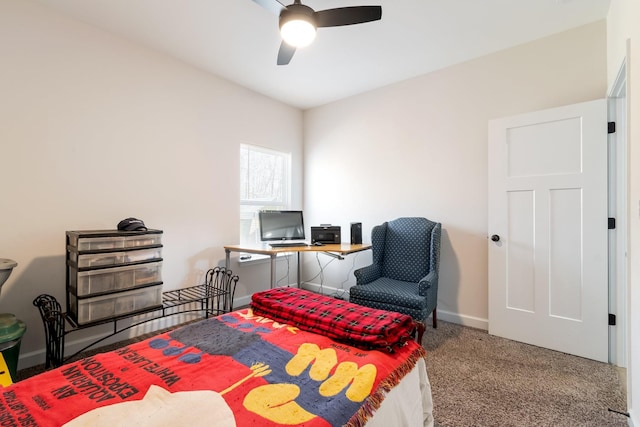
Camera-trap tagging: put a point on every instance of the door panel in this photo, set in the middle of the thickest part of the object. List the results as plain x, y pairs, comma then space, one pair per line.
520, 255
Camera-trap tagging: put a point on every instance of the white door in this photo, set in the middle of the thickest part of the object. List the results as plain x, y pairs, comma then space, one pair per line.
548, 208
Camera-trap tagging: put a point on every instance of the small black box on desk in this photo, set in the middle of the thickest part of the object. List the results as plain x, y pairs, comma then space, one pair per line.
327, 234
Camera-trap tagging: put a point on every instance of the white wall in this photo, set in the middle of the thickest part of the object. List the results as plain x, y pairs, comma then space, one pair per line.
94, 129
419, 148
623, 41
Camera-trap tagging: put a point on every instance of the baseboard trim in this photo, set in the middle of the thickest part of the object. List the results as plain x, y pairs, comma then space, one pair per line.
241, 301
464, 320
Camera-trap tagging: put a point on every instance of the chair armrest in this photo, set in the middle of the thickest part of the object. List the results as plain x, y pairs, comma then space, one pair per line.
368, 274
427, 282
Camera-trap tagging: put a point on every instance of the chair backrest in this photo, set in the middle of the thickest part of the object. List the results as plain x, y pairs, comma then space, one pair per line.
404, 248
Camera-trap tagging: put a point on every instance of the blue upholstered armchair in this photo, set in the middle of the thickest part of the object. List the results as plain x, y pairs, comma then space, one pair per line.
404, 274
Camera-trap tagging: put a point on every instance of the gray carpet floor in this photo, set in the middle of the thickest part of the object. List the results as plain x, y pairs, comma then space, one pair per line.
481, 380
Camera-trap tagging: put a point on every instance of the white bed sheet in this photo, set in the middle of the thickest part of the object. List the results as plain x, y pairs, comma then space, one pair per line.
408, 404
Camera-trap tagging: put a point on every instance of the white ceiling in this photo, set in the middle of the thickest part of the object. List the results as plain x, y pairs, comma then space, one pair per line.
239, 40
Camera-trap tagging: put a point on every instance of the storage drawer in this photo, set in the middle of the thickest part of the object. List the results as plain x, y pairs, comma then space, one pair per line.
143, 240
114, 258
91, 282
97, 243
89, 310
103, 243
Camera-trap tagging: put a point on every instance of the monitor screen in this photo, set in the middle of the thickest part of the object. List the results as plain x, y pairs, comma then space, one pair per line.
281, 225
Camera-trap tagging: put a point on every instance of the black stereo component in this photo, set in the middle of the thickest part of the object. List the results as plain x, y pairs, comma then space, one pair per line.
356, 233
327, 234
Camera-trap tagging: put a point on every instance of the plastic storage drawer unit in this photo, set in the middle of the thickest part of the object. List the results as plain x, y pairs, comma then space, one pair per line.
103, 259
112, 273
94, 282
108, 240
95, 309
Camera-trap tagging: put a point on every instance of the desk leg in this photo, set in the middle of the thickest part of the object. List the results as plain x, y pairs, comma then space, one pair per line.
299, 270
227, 261
273, 271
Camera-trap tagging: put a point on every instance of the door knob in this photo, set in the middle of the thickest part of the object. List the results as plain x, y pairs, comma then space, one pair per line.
495, 238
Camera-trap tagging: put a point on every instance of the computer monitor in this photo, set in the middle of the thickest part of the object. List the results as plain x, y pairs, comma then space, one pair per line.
281, 225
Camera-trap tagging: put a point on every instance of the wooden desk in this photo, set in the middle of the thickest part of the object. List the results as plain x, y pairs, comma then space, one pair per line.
335, 250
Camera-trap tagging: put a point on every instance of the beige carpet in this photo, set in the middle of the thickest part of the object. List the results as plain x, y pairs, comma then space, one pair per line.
482, 380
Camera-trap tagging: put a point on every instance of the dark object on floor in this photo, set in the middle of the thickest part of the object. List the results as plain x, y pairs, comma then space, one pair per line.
626, 414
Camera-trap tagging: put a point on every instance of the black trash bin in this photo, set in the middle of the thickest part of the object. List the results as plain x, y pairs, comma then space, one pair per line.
11, 332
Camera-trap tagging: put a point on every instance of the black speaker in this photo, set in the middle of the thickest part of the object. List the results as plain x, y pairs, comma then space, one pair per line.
356, 233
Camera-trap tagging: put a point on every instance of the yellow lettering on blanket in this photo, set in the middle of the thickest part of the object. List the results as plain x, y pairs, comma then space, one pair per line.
325, 360
276, 402
361, 380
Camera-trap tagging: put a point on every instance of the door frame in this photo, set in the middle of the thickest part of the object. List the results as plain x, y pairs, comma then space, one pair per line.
618, 177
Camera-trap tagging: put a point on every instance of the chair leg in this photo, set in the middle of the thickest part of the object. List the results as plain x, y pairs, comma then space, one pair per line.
421, 327
435, 319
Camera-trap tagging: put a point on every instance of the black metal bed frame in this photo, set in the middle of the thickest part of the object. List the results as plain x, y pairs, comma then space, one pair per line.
213, 297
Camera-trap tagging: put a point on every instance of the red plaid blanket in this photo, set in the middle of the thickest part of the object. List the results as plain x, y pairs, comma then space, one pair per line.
343, 321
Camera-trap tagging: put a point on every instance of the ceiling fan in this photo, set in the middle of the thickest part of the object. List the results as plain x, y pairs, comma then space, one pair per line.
298, 23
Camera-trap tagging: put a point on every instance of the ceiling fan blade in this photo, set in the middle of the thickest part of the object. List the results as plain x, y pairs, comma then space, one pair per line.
347, 15
285, 53
273, 6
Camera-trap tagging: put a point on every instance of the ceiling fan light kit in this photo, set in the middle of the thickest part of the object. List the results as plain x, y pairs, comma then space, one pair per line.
298, 23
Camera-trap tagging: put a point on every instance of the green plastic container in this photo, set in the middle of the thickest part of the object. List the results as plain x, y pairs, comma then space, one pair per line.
11, 332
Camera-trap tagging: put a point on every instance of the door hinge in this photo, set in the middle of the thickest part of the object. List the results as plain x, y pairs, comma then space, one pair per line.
612, 319
612, 224
611, 128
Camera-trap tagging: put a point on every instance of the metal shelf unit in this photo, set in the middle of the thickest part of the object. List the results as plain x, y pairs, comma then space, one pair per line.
211, 298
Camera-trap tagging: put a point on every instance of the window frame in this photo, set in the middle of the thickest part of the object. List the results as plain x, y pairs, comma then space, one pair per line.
249, 207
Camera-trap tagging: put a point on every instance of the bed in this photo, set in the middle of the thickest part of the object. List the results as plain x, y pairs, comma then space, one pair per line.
243, 368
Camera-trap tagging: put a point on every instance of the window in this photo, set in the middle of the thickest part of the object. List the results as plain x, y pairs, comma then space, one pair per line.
265, 183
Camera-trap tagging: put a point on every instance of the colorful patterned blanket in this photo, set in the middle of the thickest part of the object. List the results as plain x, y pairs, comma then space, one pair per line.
343, 321
266, 373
